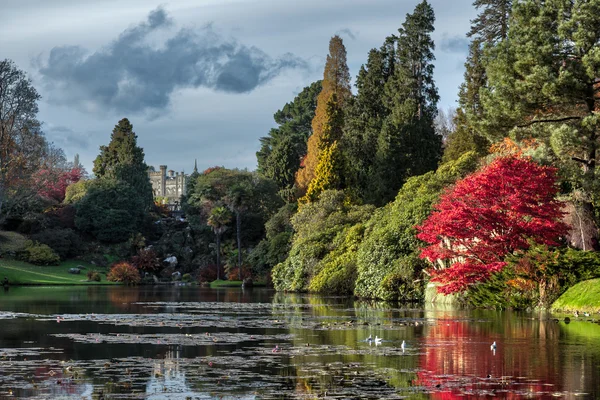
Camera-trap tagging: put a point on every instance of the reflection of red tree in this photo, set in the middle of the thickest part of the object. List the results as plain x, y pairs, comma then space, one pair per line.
457, 360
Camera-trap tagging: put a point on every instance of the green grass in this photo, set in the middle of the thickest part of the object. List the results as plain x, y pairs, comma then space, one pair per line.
222, 283
584, 296
22, 273
11, 242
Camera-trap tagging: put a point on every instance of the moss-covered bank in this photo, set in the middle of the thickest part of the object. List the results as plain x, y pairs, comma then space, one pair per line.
584, 296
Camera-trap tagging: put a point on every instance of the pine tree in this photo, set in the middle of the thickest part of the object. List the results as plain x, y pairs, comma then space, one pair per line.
488, 29
408, 144
123, 160
544, 83
336, 80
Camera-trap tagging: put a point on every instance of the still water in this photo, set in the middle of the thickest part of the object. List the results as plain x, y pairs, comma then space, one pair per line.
194, 343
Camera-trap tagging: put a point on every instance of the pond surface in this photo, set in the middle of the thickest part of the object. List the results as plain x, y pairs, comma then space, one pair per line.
193, 343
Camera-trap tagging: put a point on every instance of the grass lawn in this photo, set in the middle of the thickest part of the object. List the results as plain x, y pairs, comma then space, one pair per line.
222, 283
584, 296
22, 273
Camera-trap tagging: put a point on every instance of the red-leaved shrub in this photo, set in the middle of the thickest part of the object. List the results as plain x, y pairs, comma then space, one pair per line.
124, 272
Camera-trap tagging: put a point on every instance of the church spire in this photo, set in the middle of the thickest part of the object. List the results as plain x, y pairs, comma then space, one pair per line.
195, 165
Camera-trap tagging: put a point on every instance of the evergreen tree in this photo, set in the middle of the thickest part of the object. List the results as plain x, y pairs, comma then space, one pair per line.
329, 173
282, 150
123, 160
364, 116
543, 83
488, 29
336, 80
408, 144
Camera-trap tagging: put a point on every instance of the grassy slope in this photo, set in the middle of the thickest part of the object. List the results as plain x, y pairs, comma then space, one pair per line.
584, 296
22, 273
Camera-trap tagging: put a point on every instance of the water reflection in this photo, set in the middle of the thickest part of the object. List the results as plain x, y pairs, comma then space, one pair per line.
182, 342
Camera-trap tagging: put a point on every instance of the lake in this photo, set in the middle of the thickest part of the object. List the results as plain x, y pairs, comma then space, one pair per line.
167, 342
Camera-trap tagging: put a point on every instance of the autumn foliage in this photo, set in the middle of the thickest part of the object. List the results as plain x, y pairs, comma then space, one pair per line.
504, 207
124, 272
53, 184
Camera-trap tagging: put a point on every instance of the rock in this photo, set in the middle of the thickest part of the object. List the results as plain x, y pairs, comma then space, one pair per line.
80, 267
247, 283
75, 271
172, 261
176, 276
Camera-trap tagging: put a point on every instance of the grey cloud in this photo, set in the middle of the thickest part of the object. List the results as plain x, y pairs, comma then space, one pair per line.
131, 75
454, 44
347, 32
66, 137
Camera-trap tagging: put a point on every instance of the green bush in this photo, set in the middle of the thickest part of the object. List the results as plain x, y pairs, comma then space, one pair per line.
110, 210
387, 259
77, 191
187, 278
124, 272
93, 276
321, 231
65, 242
39, 254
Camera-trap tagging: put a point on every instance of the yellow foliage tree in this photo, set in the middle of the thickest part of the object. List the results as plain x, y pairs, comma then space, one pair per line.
336, 80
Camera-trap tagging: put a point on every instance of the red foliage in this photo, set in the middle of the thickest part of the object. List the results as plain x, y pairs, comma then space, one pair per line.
211, 169
234, 275
146, 260
124, 272
207, 273
53, 183
502, 208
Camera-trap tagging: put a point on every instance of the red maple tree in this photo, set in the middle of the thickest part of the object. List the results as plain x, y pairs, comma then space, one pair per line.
52, 183
504, 207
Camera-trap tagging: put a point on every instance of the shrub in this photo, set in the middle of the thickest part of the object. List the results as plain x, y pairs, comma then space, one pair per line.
207, 273
124, 272
65, 242
40, 254
93, 276
186, 278
111, 211
146, 260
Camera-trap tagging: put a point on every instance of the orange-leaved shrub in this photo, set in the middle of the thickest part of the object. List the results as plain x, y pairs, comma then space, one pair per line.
124, 272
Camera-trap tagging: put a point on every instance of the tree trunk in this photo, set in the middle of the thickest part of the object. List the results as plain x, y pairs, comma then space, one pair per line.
238, 223
218, 256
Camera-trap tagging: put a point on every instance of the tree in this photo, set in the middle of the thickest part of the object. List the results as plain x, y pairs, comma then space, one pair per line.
22, 144
336, 80
218, 220
111, 210
329, 171
492, 213
53, 183
237, 200
123, 160
282, 150
543, 82
408, 144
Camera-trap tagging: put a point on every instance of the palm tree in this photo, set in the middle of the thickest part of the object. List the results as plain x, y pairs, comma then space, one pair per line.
218, 220
236, 200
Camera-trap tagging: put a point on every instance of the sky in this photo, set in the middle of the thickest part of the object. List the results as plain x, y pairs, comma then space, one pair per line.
198, 79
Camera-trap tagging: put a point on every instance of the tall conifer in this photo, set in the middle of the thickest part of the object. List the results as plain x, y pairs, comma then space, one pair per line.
123, 160
336, 80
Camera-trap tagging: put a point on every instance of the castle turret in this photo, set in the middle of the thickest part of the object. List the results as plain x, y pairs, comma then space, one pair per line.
163, 180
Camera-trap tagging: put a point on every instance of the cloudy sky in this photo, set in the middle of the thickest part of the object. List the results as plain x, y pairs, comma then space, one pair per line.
198, 79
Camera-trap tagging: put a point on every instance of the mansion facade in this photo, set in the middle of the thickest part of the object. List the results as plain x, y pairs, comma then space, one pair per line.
169, 185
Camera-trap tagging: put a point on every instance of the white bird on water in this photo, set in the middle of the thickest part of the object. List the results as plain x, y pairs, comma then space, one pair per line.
493, 346
403, 346
377, 340
369, 338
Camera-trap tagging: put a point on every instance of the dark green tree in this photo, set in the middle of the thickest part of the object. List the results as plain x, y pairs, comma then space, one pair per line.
282, 150
123, 160
111, 210
488, 29
408, 144
543, 83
